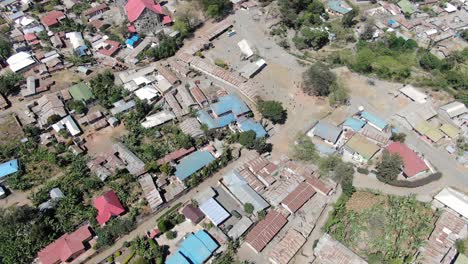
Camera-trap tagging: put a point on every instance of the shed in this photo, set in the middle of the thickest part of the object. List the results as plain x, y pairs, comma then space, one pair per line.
414, 94
454, 109
450, 130
81, 92
214, 211
8, 168
325, 131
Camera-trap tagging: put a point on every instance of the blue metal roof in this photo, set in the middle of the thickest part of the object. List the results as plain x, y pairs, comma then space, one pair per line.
252, 125
327, 131
8, 168
336, 5
377, 121
354, 124
324, 149
192, 163
177, 258
222, 121
194, 248
229, 103
206, 239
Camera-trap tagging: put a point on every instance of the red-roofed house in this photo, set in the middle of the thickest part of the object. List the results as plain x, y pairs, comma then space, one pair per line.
175, 155
110, 48
412, 163
146, 15
265, 231
67, 247
52, 18
297, 198
108, 205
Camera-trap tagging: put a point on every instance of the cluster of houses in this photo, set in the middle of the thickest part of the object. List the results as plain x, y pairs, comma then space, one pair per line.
429, 22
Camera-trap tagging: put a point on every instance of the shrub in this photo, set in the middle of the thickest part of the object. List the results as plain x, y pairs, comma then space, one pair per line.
117, 253
363, 170
249, 208
171, 235
418, 183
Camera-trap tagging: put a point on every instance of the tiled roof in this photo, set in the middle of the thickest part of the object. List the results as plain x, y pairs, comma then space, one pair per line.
265, 230
52, 18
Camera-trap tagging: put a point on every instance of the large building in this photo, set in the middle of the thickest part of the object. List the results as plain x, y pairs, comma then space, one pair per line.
195, 248
146, 15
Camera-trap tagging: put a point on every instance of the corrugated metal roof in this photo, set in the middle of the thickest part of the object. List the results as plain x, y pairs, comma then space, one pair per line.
450, 130
252, 125
214, 211
8, 168
326, 131
192, 163
362, 146
377, 121
354, 124
229, 103
243, 192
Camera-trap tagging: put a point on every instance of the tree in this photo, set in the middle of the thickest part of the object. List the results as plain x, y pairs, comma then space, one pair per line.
311, 38
429, 61
304, 149
166, 169
53, 119
464, 34
104, 89
272, 110
167, 47
216, 8
247, 138
261, 214
338, 94
389, 168
318, 79
78, 106
5, 47
398, 137
348, 18
171, 235
9, 82
368, 32
165, 225
249, 208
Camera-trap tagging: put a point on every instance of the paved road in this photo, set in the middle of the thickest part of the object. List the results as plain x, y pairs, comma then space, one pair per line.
150, 223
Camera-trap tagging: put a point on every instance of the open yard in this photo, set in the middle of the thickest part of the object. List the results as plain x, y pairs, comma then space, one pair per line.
381, 228
10, 131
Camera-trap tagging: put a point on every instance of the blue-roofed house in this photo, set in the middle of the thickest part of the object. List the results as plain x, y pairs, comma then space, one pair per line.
251, 125
193, 163
374, 121
195, 249
206, 239
132, 42
326, 131
211, 122
177, 258
224, 112
337, 7
8, 168
354, 124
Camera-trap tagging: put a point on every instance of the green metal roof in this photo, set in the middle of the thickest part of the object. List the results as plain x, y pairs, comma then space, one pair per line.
81, 92
406, 6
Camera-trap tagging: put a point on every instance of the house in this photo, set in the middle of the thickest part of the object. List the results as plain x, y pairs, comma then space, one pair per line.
146, 15
453, 199
248, 124
214, 211
265, 231
241, 190
330, 251
55, 194
195, 248
47, 106
360, 149
353, 124
69, 123
239, 228
297, 198
193, 214
158, 119
52, 18
8, 168
96, 10
175, 155
454, 109
199, 96
109, 48
374, 121
414, 94
326, 131
21, 61
77, 42
263, 170
222, 113
193, 163
252, 69
66, 248
81, 92
287, 248
151, 192
192, 127
122, 106
148, 93
133, 164
107, 205
413, 165
430, 132
406, 7
337, 7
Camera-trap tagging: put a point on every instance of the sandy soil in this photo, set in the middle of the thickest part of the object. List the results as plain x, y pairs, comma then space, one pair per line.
101, 141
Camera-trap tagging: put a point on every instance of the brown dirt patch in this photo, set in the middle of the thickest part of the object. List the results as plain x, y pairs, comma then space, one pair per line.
10, 131
361, 201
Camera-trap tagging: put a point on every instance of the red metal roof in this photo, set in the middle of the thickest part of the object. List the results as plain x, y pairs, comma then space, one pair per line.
52, 18
131, 29
318, 185
30, 36
412, 163
135, 8
265, 230
175, 155
112, 47
198, 95
108, 205
297, 198
166, 20
68, 245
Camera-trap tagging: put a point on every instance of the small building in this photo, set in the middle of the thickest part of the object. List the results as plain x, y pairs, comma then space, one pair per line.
158, 119
252, 69
285, 250
151, 192
96, 10
360, 149
450, 130
107, 205
8, 168
330, 251
353, 124
81, 92
175, 155
239, 228
109, 48
193, 214
374, 121
326, 131
337, 7
52, 18
67, 248
453, 199
248, 124
214, 211
413, 165
20, 61
454, 109
195, 248
432, 133
146, 15
414, 94
148, 93
265, 231
297, 198
193, 163
192, 127
69, 123
122, 106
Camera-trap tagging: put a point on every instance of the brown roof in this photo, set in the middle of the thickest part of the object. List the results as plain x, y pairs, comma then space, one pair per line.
297, 198
265, 230
198, 94
285, 250
175, 155
193, 213
167, 74
94, 10
319, 185
257, 164
250, 178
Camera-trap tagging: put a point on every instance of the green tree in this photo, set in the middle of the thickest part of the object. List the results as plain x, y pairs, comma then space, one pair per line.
5, 47
272, 110
429, 61
53, 119
389, 168
216, 9
165, 225
348, 18
338, 94
304, 149
105, 90
318, 80
9, 82
313, 38
247, 139
171, 235
78, 106
166, 169
249, 208
399, 137
464, 34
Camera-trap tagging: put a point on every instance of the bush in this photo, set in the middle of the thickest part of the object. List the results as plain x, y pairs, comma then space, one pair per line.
117, 254
165, 225
249, 208
171, 235
418, 183
272, 110
318, 80
363, 170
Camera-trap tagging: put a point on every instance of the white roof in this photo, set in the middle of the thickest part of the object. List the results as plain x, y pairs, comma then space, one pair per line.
141, 80
158, 119
76, 39
214, 211
450, 8
69, 123
245, 48
431, 32
24, 21
413, 93
20, 61
455, 200
146, 93
162, 84
454, 109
